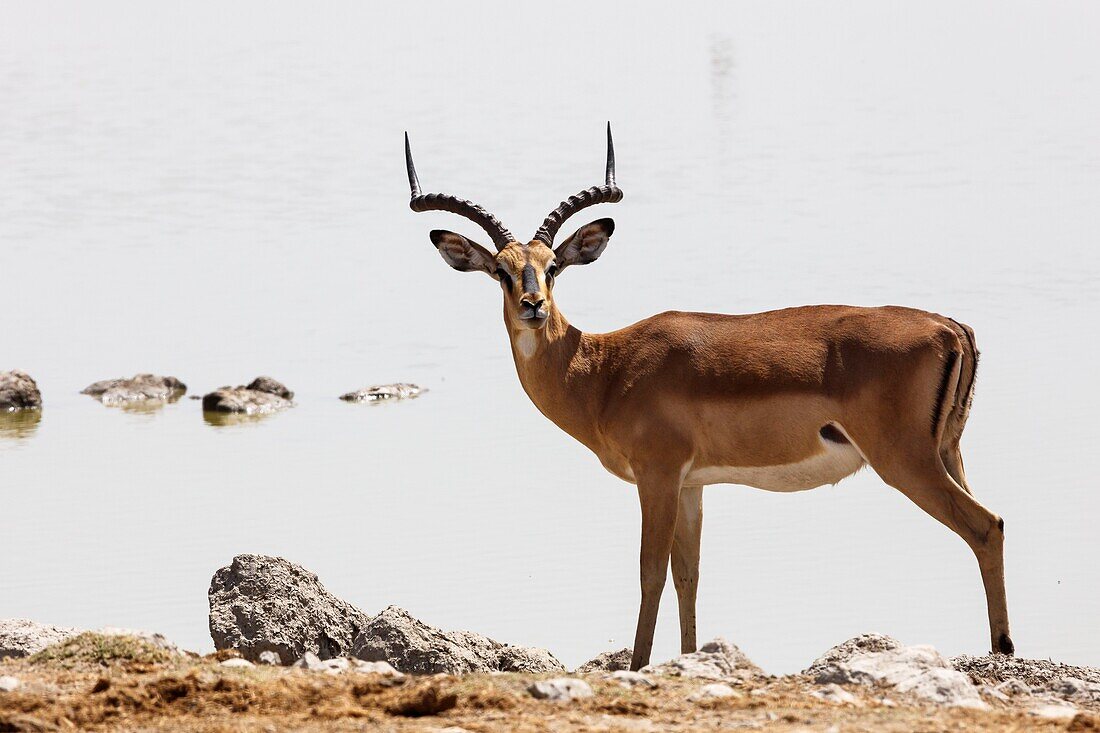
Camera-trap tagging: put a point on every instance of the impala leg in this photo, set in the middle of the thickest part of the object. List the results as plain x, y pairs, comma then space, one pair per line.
659, 493
685, 561
934, 490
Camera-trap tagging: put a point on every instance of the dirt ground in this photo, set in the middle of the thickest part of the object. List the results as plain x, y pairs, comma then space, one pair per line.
119, 690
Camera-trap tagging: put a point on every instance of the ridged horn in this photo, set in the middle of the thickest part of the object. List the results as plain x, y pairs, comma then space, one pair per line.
609, 193
445, 202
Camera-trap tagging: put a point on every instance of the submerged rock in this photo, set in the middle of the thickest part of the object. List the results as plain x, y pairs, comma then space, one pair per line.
139, 388
607, 662
261, 396
260, 604
384, 392
414, 647
18, 391
918, 670
20, 637
716, 660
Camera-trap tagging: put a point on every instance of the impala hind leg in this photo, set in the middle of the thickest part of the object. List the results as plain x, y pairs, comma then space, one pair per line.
930, 485
685, 561
659, 493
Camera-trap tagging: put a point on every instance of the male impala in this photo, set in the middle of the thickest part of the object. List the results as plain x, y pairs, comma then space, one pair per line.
786, 400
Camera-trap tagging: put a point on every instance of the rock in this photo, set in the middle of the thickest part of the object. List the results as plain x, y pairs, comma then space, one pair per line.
712, 691
626, 678
18, 391
270, 659
20, 637
607, 662
1039, 674
9, 684
857, 645
262, 396
139, 388
310, 661
835, 693
153, 639
531, 660
716, 660
1012, 687
1074, 689
919, 670
383, 668
384, 393
414, 647
260, 603
1054, 712
561, 688
237, 662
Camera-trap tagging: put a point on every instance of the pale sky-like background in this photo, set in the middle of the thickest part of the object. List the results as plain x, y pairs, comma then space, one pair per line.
218, 191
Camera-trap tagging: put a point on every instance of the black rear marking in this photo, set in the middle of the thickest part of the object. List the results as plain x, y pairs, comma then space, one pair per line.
938, 412
832, 434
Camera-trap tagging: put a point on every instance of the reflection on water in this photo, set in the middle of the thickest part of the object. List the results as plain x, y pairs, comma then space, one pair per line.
19, 424
215, 189
229, 419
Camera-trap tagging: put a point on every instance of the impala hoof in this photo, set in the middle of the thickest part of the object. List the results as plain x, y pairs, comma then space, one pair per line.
1005, 646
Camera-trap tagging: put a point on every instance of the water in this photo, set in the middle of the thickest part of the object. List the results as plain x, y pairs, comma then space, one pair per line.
218, 192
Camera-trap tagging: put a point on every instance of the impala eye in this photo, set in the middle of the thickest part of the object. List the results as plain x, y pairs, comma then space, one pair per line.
551, 271
505, 278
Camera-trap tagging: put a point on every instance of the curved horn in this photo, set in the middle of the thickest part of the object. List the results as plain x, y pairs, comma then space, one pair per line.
445, 202
609, 193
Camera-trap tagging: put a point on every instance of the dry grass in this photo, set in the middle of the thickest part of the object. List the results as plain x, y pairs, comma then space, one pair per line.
114, 684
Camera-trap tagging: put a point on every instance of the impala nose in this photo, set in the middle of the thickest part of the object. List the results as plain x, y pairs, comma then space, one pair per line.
531, 307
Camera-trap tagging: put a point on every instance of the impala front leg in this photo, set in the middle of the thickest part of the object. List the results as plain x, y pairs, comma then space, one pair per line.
659, 493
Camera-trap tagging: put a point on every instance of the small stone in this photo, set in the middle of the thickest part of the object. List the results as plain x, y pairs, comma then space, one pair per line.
238, 663
383, 668
310, 661
1054, 712
385, 393
626, 678
712, 691
263, 395
607, 662
18, 391
561, 688
994, 693
141, 388
336, 666
270, 659
717, 660
835, 693
9, 684
1012, 687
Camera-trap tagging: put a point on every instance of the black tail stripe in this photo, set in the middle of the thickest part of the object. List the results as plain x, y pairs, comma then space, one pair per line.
948, 367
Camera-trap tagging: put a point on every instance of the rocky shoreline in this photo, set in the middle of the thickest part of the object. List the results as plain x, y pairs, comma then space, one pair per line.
269, 613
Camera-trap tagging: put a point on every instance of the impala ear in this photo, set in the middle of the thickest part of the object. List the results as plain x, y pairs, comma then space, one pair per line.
584, 245
462, 254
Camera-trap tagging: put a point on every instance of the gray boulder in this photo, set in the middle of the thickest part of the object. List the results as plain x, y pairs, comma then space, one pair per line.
384, 393
18, 391
607, 662
260, 604
861, 644
918, 670
414, 647
140, 388
20, 637
715, 660
261, 396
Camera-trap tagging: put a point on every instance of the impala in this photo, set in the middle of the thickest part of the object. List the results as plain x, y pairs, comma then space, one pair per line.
786, 400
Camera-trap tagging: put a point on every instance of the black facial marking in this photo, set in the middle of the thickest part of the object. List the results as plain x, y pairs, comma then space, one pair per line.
530, 280
1001, 525
832, 434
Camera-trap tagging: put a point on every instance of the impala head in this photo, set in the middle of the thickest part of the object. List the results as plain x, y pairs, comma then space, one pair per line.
526, 272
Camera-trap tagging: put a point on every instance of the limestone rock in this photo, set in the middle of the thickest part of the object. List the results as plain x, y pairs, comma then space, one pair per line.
414, 647
712, 691
628, 679
18, 391
20, 637
260, 603
835, 693
607, 662
919, 670
560, 689
857, 645
238, 663
715, 660
261, 396
141, 388
384, 393
9, 683
270, 659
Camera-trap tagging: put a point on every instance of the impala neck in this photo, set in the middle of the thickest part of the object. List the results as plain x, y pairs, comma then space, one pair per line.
554, 363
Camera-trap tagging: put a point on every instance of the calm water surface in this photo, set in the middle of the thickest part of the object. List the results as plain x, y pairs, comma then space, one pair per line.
218, 192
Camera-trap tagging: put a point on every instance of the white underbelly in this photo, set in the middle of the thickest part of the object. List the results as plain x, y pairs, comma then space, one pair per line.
835, 462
